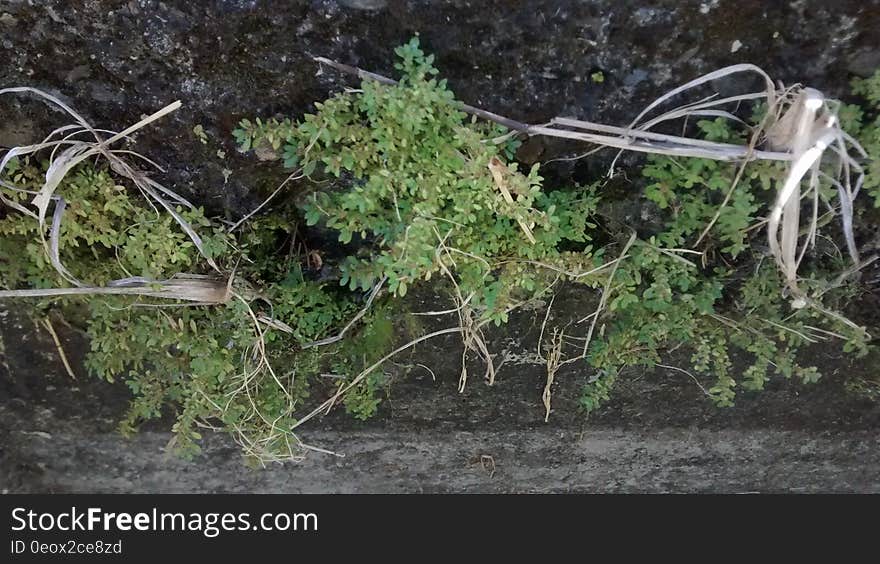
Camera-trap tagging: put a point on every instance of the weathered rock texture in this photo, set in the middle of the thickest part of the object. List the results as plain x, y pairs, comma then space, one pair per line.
116, 60
657, 435
531, 60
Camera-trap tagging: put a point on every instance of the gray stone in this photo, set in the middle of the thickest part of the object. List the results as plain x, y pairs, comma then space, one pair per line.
530, 60
864, 62
364, 4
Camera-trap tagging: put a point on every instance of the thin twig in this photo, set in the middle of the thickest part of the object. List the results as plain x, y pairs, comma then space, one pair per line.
48, 324
355, 319
683, 371
506, 122
363, 374
603, 300
292, 176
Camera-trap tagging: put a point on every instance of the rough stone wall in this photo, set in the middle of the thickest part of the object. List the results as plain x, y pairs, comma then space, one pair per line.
116, 60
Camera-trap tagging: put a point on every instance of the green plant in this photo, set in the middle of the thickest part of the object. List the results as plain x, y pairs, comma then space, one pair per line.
212, 364
663, 300
105, 236
691, 191
418, 192
423, 194
865, 124
426, 192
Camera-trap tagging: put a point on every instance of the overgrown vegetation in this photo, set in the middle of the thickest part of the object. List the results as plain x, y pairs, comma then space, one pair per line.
423, 193
729, 298
214, 364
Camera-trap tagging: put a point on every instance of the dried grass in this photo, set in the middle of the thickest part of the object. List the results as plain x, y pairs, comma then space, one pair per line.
197, 288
